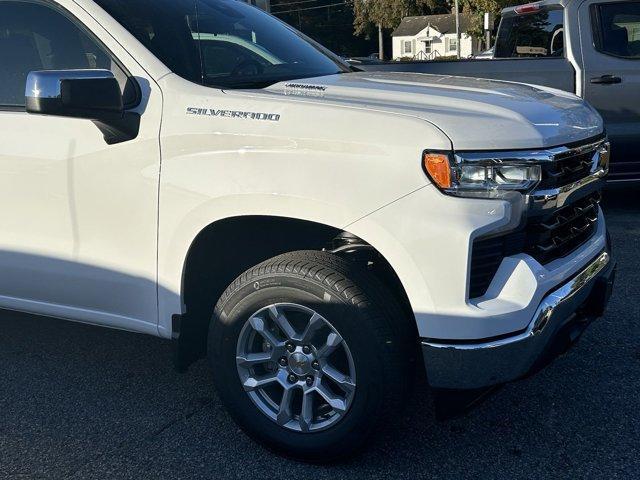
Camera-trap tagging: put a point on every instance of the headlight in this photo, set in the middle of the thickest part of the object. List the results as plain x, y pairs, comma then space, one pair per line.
480, 175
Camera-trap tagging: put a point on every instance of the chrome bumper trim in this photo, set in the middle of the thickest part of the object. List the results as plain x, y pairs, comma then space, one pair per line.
479, 364
549, 304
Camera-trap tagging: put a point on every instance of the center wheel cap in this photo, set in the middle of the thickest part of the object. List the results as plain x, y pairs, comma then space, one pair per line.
299, 363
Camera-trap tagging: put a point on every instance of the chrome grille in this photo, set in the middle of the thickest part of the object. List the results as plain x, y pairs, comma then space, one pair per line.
562, 215
557, 234
567, 169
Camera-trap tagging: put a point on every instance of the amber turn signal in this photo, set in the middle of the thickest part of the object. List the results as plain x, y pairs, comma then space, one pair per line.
438, 168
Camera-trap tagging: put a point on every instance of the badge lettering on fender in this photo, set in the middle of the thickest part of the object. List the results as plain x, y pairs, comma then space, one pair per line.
305, 90
212, 112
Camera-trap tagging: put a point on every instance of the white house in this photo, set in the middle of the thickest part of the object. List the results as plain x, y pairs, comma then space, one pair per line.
430, 37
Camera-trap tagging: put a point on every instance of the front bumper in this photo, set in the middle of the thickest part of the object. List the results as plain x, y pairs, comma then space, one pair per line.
558, 321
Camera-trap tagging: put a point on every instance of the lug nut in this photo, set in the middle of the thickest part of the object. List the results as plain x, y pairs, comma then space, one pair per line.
292, 378
290, 347
310, 380
283, 361
316, 365
306, 349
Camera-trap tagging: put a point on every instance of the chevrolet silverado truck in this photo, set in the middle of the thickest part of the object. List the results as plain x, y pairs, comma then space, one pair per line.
587, 47
199, 171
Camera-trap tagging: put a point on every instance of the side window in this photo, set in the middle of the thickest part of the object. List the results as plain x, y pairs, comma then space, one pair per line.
34, 36
453, 45
617, 29
539, 33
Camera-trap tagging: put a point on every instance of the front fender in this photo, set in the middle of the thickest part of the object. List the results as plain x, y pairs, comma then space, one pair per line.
324, 163
175, 243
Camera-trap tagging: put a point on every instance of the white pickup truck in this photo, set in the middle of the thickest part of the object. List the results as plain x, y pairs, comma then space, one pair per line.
199, 171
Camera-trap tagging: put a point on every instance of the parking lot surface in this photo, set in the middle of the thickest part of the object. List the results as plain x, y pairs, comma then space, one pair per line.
81, 402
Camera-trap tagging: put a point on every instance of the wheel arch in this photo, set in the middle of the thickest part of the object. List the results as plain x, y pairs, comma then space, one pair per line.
224, 249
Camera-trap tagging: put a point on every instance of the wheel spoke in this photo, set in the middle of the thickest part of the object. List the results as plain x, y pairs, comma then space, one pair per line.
251, 359
315, 322
284, 410
306, 413
254, 383
334, 401
288, 348
282, 322
333, 340
342, 380
259, 326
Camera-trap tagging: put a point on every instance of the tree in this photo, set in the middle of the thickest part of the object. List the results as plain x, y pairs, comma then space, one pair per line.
477, 9
387, 14
325, 22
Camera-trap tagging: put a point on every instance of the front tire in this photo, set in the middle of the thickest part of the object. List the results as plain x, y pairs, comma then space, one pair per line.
310, 355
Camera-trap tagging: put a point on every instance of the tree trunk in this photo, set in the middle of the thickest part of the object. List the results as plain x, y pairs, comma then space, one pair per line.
380, 43
457, 12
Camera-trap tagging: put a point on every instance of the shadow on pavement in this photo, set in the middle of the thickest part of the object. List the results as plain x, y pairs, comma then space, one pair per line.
621, 198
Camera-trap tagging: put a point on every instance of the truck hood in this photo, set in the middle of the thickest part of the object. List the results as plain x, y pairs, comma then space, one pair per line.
476, 114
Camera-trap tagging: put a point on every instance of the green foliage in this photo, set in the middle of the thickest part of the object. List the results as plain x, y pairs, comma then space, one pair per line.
331, 26
389, 13
477, 9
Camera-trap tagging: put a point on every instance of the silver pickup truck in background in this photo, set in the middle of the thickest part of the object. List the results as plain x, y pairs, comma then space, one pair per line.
588, 47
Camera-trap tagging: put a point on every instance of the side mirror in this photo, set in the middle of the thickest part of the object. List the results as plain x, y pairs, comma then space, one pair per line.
91, 94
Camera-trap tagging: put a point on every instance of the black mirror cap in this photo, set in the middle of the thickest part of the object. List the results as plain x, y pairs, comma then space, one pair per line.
89, 98
90, 94
98, 95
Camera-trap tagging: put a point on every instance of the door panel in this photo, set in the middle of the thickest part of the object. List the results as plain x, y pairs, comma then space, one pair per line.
79, 217
612, 80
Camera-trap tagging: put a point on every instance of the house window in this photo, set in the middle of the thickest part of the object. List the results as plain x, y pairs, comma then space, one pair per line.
453, 45
408, 46
427, 46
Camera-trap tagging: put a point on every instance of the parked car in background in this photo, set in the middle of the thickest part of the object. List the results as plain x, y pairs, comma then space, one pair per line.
363, 60
369, 60
590, 48
486, 55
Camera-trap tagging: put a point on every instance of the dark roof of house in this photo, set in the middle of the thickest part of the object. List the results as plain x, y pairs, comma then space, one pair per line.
443, 23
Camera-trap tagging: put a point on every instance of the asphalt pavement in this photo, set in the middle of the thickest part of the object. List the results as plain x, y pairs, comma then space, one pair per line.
81, 402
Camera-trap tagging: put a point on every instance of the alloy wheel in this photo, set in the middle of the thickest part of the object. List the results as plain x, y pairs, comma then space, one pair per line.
296, 368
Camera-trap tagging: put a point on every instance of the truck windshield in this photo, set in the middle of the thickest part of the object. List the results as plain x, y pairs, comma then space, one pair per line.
222, 43
536, 34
